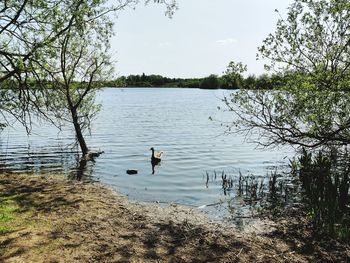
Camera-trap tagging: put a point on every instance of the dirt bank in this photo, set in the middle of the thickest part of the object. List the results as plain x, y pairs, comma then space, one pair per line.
50, 219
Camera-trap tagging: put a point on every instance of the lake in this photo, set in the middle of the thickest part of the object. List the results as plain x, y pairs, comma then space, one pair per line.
131, 121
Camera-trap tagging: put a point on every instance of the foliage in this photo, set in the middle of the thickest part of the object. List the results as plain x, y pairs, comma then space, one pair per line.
310, 51
54, 57
30, 31
325, 181
210, 82
265, 82
153, 81
146, 81
171, 5
233, 75
58, 79
74, 73
30, 36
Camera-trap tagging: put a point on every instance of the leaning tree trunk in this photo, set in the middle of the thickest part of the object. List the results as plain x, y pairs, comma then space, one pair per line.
78, 131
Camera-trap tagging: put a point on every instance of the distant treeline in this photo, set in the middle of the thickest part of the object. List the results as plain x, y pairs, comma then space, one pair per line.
263, 81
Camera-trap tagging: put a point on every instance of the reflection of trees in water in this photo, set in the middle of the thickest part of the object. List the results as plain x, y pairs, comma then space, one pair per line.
38, 160
43, 160
83, 170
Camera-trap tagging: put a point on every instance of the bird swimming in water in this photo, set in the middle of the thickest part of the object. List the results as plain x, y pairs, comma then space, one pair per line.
156, 156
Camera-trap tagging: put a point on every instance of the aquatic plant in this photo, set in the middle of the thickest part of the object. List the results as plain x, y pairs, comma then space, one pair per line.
226, 182
324, 178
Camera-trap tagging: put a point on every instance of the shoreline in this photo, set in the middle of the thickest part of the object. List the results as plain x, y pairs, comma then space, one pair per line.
52, 219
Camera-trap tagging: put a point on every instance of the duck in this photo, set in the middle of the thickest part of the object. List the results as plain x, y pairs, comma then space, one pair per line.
156, 156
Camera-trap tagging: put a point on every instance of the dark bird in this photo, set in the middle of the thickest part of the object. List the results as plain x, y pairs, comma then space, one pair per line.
156, 156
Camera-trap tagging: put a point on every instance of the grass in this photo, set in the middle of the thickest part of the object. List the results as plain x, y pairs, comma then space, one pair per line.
15, 218
55, 220
7, 214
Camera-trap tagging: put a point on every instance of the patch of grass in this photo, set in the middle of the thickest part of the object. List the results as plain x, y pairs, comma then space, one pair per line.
13, 212
7, 214
4, 230
17, 214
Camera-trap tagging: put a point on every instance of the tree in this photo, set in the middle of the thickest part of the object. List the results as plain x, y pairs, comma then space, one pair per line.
76, 76
53, 55
25, 28
264, 82
233, 75
29, 31
63, 72
210, 82
311, 48
171, 5
250, 82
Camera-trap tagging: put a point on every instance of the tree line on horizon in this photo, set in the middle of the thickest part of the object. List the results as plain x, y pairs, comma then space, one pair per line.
263, 81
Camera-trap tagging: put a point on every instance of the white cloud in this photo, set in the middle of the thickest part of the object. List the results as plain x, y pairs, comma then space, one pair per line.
227, 41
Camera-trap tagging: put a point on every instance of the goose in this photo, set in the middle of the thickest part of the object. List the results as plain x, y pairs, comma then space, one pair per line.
156, 156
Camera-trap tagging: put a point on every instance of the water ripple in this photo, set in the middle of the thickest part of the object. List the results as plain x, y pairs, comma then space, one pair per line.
172, 120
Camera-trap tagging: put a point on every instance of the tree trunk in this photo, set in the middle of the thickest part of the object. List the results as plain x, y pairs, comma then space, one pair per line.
78, 132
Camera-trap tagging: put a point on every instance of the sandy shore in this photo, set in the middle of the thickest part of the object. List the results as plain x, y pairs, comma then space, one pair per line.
51, 219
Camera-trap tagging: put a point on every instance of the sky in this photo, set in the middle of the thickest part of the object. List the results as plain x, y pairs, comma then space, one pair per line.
201, 39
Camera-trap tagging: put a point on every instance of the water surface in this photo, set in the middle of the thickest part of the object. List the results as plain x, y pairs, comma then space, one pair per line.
132, 120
